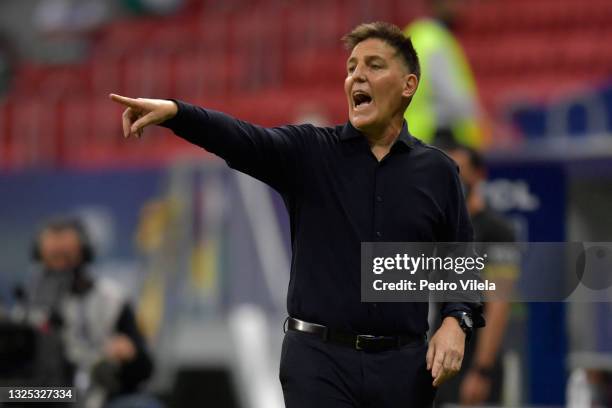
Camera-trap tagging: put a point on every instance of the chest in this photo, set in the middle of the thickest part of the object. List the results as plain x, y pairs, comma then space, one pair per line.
394, 199
90, 319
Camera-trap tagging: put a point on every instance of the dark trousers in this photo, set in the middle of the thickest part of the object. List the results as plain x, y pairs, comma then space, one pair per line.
316, 374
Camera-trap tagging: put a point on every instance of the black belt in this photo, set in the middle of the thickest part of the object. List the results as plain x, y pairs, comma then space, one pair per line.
365, 342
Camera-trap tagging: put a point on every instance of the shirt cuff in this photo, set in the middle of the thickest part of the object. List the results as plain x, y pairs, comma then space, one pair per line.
474, 309
175, 122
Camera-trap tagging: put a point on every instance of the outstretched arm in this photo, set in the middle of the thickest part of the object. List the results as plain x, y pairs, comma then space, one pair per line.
272, 155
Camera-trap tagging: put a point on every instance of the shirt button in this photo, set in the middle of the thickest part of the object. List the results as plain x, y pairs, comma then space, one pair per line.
378, 234
379, 199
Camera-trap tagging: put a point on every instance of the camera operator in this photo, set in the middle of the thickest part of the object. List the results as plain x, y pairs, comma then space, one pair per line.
101, 342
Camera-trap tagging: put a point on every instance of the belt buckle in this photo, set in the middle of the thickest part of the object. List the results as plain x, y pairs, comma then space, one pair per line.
362, 339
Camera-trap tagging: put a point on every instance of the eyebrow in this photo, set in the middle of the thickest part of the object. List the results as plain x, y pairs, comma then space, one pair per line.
367, 58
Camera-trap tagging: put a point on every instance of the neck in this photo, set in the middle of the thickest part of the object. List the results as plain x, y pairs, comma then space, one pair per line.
381, 140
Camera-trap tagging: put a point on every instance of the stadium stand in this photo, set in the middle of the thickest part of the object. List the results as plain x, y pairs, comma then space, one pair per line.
245, 56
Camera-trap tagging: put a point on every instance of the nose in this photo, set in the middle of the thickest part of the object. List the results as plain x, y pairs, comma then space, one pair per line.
359, 73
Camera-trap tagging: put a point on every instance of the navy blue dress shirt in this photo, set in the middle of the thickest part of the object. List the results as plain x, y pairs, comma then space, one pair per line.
339, 195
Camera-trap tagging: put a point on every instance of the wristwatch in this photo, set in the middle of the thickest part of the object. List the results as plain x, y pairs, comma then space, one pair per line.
465, 322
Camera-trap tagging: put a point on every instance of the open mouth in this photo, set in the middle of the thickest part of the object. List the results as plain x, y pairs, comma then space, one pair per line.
361, 99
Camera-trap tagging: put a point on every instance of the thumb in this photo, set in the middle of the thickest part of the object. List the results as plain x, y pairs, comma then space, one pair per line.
141, 123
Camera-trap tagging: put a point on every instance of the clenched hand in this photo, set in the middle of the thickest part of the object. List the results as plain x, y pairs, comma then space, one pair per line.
141, 112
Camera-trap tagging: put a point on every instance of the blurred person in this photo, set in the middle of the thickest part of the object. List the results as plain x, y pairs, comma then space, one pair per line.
481, 380
345, 185
101, 341
447, 101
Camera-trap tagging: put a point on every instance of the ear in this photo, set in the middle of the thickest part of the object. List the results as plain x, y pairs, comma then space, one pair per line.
410, 85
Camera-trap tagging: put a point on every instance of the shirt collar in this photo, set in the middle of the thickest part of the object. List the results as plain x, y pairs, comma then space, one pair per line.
350, 132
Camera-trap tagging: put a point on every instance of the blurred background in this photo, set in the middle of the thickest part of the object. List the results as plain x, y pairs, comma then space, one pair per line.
202, 253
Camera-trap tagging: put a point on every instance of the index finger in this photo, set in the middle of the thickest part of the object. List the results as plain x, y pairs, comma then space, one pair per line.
125, 101
438, 364
441, 378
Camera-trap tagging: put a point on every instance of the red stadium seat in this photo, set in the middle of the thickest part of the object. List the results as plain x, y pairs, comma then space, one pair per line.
266, 59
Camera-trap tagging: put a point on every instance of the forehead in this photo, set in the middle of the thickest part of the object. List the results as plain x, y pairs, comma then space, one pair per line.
373, 47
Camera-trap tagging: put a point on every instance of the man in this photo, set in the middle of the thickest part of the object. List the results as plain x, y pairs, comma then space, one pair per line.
101, 341
447, 104
481, 380
365, 181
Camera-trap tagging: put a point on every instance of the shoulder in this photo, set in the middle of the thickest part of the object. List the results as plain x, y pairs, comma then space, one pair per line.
310, 133
435, 158
321, 131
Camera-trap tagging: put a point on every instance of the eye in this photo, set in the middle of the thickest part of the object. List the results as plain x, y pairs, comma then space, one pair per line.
350, 69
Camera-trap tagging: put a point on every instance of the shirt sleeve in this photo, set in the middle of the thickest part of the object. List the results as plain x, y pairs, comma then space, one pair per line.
271, 155
458, 228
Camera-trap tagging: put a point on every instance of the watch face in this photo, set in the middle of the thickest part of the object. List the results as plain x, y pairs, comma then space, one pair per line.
467, 319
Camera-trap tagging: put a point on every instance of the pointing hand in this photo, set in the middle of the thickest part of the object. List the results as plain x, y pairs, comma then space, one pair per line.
141, 112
